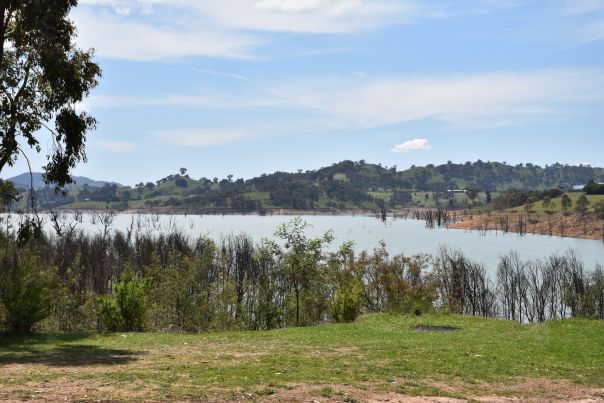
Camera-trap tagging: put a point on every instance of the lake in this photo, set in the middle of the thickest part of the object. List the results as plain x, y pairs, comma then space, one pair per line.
401, 236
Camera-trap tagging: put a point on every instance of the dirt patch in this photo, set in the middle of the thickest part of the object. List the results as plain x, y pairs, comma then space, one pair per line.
572, 226
339, 393
528, 390
525, 390
66, 390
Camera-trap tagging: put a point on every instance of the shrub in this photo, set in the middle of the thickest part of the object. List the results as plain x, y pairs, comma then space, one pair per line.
348, 301
127, 311
593, 188
109, 315
26, 291
181, 183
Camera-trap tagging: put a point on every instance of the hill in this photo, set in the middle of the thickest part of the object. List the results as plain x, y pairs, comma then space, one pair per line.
25, 179
341, 186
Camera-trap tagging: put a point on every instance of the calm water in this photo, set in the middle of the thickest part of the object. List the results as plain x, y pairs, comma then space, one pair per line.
401, 236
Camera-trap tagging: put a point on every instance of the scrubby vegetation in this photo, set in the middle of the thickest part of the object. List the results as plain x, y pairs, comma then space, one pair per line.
70, 281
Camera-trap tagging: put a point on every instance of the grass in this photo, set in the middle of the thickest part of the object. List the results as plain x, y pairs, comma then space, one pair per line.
574, 196
378, 354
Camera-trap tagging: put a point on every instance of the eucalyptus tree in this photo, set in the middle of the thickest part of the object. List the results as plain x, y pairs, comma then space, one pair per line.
565, 203
43, 78
303, 258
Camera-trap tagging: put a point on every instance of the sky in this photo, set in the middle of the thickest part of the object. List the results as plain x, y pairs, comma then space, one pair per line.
246, 87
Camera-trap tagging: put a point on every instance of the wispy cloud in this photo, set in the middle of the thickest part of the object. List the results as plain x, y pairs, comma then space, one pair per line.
478, 100
144, 30
573, 7
310, 16
220, 74
594, 31
470, 101
223, 100
199, 138
412, 145
584, 20
120, 37
117, 146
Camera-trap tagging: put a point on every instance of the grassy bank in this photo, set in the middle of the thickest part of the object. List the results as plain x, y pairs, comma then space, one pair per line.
378, 356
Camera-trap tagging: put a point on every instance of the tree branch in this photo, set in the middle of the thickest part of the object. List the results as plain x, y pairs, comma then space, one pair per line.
3, 23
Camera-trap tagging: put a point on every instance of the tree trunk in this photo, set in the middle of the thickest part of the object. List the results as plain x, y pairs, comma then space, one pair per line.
297, 308
2, 33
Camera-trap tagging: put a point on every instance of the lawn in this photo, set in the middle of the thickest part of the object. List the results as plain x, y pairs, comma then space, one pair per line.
380, 356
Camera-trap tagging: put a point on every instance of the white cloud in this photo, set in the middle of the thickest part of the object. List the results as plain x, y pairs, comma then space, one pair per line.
144, 30
477, 100
412, 145
311, 16
471, 101
115, 146
119, 37
199, 138
594, 31
205, 101
581, 6
221, 74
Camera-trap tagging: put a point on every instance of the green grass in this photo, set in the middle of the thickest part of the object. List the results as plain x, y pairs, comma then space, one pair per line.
386, 196
378, 352
260, 196
574, 196
88, 205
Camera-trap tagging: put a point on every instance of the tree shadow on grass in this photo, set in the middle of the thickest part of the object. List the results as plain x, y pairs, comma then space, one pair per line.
59, 351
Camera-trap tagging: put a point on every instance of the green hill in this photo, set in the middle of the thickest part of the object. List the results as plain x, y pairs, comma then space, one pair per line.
344, 185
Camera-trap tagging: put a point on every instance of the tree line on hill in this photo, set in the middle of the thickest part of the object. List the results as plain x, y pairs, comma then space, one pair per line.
343, 185
133, 281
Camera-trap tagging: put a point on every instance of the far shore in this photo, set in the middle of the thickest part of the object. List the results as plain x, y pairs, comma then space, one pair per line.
404, 213
555, 225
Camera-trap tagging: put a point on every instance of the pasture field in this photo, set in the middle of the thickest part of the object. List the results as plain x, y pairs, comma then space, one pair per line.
379, 357
557, 205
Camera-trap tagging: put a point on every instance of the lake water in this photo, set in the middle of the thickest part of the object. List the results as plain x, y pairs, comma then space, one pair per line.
401, 236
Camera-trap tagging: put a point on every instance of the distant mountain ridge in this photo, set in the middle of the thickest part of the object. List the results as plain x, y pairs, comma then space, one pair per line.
25, 180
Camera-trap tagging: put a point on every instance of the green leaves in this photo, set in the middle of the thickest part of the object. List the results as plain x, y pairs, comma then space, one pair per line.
27, 290
42, 78
127, 311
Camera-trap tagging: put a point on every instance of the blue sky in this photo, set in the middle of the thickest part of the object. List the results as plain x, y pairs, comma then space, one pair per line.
245, 87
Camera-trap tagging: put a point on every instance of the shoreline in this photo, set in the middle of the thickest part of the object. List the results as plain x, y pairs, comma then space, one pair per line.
588, 227
405, 213
555, 225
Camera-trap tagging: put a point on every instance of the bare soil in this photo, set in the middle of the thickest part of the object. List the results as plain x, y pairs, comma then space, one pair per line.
526, 390
572, 226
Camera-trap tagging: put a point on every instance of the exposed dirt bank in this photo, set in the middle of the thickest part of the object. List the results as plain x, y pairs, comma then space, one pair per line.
572, 226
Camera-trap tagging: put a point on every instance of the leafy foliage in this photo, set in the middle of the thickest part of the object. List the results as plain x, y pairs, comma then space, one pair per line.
27, 290
43, 75
169, 282
593, 188
127, 311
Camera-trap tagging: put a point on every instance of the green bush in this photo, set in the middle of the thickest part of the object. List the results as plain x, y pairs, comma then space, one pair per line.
27, 291
348, 301
109, 315
127, 311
